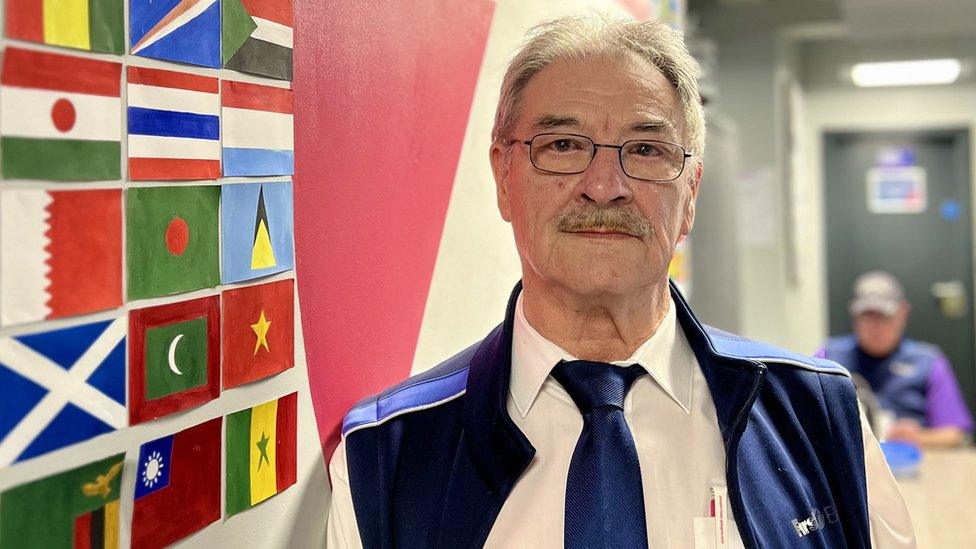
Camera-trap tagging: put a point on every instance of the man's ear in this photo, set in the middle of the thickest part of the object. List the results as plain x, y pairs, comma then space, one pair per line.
689, 216
501, 164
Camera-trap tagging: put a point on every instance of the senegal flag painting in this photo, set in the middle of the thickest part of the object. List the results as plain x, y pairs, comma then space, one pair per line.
261, 452
94, 25
60, 117
77, 508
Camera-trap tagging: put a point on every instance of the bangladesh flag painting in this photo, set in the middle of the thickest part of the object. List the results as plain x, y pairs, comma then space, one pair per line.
174, 357
171, 240
60, 117
77, 508
261, 452
94, 25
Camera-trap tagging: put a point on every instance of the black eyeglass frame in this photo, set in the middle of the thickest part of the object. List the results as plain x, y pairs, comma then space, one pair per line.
685, 154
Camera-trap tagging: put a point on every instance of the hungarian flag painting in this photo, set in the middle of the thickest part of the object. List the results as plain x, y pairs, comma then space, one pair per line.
174, 357
77, 508
174, 125
258, 331
257, 230
60, 253
94, 25
185, 31
177, 486
258, 129
60, 117
261, 452
171, 240
257, 37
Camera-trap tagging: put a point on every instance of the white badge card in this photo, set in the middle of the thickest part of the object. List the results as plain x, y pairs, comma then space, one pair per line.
720, 511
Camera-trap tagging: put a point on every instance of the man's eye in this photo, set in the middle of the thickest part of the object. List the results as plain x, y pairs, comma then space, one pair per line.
564, 145
645, 149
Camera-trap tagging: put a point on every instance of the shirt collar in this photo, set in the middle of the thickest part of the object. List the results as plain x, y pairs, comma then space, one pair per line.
666, 355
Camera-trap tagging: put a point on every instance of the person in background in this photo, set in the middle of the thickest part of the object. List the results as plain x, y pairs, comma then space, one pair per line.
910, 379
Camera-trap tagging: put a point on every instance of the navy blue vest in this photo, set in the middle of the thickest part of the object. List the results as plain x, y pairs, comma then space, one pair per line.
431, 460
899, 382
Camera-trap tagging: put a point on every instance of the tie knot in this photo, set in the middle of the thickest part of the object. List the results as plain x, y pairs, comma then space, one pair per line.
596, 384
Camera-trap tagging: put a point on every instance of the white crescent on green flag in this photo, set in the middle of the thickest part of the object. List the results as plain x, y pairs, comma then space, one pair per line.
60, 117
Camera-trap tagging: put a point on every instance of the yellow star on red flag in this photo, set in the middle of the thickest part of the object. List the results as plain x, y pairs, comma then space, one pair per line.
261, 328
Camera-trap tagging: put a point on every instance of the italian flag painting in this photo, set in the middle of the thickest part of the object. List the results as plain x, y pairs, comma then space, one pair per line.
60, 117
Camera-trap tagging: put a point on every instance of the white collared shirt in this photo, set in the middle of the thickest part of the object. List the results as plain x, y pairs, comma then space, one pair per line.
672, 419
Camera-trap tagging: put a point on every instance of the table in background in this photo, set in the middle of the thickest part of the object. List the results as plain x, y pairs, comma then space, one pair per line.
942, 500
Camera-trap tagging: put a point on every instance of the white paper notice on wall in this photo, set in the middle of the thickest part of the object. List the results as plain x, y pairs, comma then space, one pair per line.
757, 208
897, 190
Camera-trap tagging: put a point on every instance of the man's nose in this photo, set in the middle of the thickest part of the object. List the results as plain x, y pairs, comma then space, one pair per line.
604, 182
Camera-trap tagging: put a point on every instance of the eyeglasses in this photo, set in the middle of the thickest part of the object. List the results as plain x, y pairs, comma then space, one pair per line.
566, 153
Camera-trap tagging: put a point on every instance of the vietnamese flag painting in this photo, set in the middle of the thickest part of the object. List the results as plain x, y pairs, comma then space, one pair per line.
94, 25
177, 486
258, 331
261, 452
171, 240
174, 357
77, 508
60, 117
60, 253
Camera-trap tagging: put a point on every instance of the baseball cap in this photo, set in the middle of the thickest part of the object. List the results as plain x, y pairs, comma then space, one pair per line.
876, 291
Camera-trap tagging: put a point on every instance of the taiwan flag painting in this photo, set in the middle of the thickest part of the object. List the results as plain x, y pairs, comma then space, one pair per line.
174, 125
60, 253
171, 240
177, 486
94, 25
257, 230
174, 357
185, 31
258, 331
261, 452
60, 117
258, 129
257, 37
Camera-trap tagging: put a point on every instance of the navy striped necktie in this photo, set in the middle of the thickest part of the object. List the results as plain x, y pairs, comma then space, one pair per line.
604, 493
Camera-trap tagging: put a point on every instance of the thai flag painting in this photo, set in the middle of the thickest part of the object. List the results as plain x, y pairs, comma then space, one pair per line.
174, 125
258, 130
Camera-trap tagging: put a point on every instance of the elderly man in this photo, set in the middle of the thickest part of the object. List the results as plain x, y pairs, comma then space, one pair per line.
911, 380
601, 413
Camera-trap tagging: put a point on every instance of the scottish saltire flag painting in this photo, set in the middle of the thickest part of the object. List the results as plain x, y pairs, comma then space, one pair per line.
94, 25
261, 452
174, 125
257, 37
257, 230
61, 387
185, 31
60, 117
60, 253
174, 357
259, 331
77, 508
171, 240
177, 485
258, 129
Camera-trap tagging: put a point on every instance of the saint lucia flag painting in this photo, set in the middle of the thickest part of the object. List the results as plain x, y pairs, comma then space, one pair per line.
257, 234
185, 31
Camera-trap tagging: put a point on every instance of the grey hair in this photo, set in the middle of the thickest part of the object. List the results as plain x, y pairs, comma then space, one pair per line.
576, 37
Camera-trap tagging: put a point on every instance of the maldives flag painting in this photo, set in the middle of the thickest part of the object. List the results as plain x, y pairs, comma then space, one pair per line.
94, 25
60, 253
177, 486
258, 331
60, 117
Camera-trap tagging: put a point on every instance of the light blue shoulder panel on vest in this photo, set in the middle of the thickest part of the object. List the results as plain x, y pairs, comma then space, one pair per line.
439, 384
735, 346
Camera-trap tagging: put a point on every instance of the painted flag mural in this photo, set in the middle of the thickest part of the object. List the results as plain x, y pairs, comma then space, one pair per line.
61, 387
261, 452
174, 357
59, 117
94, 25
171, 240
77, 508
177, 486
258, 331
258, 129
257, 37
257, 230
60, 253
174, 125
185, 31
